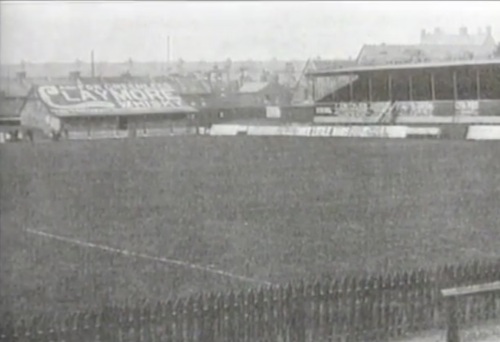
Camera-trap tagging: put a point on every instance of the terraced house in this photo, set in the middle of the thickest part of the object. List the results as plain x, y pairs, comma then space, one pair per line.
433, 46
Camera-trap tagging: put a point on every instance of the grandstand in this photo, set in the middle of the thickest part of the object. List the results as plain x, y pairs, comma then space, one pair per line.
438, 93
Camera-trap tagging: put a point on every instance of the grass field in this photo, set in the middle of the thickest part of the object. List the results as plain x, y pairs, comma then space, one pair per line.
270, 209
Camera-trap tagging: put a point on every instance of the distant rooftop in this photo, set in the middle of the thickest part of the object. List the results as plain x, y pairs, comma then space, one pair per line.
253, 87
462, 37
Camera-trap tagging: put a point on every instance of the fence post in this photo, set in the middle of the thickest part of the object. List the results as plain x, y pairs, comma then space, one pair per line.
314, 295
278, 302
7, 328
147, 314
36, 332
298, 312
166, 319
179, 319
251, 318
352, 296
378, 308
260, 314
211, 315
190, 316
346, 308
452, 334
229, 312
269, 313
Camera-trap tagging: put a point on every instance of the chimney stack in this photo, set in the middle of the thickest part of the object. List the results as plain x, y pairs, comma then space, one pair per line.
423, 33
169, 52
92, 66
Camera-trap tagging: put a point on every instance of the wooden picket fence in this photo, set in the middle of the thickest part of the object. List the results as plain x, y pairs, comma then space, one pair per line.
370, 308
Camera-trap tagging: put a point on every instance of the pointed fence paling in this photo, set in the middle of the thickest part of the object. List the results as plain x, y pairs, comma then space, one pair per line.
374, 308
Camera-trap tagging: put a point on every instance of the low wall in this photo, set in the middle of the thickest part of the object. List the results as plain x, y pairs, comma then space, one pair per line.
423, 132
350, 112
97, 135
489, 108
450, 131
212, 116
311, 131
297, 114
405, 112
483, 133
285, 115
141, 133
453, 131
465, 112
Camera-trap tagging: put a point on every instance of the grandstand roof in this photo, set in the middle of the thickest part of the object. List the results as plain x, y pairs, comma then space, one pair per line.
331, 64
394, 67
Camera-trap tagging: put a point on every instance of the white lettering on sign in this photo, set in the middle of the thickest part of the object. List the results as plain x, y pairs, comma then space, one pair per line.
467, 108
87, 96
324, 110
271, 112
120, 95
138, 95
49, 90
103, 97
353, 110
103, 94
374, 132
153, 94
419, 108
346, 109
321, 131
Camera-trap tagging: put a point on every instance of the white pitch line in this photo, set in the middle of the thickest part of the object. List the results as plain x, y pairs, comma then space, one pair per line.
148, 257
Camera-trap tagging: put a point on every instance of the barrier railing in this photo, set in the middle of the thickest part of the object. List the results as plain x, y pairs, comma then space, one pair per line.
370, 308
452, 295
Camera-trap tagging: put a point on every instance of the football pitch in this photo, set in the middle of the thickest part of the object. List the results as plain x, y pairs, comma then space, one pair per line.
87, 223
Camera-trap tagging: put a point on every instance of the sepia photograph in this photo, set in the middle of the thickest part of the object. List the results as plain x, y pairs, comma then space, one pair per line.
249, 171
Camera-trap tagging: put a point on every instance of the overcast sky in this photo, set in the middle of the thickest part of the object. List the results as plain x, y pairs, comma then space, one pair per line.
62, 31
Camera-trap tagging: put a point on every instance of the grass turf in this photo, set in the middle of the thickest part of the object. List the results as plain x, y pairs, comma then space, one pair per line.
273, 209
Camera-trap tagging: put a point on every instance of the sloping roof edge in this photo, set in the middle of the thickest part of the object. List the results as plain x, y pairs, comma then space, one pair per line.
387, 67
